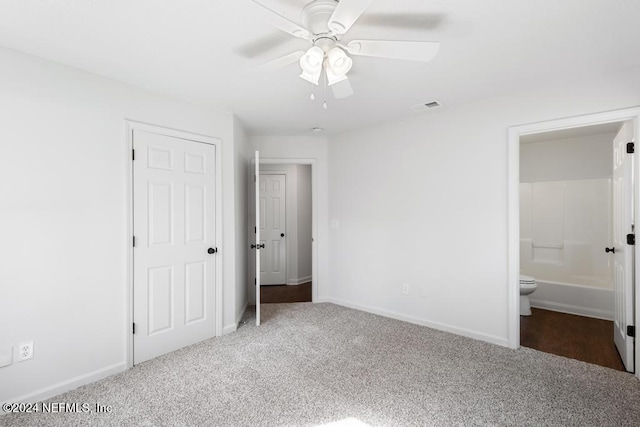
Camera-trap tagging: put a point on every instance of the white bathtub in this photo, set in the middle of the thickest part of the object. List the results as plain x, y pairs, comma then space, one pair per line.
574, 299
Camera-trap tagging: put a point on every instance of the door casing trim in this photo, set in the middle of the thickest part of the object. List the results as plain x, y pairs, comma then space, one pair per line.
513, 202
130, 127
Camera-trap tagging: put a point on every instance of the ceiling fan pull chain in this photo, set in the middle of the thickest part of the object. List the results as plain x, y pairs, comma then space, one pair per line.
324, 89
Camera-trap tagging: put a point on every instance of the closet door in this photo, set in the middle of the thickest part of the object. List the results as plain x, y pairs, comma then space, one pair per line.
174, 267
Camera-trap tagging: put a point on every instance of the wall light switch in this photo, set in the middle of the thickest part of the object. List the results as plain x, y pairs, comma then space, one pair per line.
6, 355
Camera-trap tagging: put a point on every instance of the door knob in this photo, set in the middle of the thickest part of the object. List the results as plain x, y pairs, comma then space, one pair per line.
212, 250
612, 250
281, 234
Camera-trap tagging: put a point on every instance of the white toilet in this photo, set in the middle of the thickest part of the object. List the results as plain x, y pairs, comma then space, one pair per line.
527, 287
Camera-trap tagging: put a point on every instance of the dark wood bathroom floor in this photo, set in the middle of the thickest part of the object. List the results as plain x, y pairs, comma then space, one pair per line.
576, 337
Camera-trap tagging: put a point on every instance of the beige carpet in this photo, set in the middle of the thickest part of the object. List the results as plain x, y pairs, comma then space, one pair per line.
322, 364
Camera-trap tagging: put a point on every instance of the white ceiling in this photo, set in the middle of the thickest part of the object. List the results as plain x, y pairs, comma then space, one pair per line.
204, 51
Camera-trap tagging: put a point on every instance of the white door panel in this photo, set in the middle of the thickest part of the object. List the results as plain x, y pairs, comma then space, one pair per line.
174, 226
623, 217
272, 228
257, 243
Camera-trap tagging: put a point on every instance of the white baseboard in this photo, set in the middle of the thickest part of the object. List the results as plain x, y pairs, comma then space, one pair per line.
234, 327
64, 386
227, 329
574, 299
241, 314
299, 281
502, 341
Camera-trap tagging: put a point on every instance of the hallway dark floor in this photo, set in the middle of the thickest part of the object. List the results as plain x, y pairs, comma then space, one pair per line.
285, 293
568, 335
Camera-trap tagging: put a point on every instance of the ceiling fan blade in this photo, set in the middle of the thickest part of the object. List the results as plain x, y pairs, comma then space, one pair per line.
346, 14
406, 21
278, 21
408, 50
342, 89
281, 62
261, 46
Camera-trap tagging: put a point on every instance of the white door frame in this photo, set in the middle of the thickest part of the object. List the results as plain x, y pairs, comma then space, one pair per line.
513, 204
130, 126
314, 214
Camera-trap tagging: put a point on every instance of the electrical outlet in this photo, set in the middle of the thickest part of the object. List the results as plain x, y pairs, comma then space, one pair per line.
405, 289
25, 351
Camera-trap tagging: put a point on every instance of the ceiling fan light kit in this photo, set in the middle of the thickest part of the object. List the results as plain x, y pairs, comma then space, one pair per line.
333, 77
324, 22
339, 62
311, 64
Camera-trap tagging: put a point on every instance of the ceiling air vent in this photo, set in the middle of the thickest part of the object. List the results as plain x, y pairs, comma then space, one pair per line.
426, 106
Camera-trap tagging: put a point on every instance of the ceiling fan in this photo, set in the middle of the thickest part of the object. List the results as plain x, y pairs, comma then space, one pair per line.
324, 24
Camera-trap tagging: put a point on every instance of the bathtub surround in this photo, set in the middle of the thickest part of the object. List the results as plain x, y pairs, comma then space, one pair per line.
564, 228
319, 364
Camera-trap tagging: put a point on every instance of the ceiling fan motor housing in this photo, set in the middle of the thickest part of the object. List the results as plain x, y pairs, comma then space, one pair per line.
316, 15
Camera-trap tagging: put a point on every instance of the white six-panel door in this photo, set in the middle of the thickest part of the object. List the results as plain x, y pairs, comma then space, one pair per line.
623, 276
174, 258
272, 229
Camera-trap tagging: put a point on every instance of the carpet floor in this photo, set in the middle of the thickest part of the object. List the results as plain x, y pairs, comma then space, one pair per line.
322, 364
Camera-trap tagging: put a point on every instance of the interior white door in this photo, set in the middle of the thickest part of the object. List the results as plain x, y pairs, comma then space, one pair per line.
257, 243
174, 268
623, 217
272, 228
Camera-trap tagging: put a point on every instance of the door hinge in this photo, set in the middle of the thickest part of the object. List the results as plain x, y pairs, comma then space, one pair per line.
631, 239
630, 147
134, 328
254, 230
631, 330
134, 241
133, 154
255, 281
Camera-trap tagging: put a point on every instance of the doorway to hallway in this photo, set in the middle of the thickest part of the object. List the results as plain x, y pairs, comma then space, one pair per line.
279, 294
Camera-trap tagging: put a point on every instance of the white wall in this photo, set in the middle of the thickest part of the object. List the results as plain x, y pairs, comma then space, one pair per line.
424, 202
293, 149
585, 157
64, 217
304, 222
242, 156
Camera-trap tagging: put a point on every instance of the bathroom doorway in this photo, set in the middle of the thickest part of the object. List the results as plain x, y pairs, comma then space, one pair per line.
560, 190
